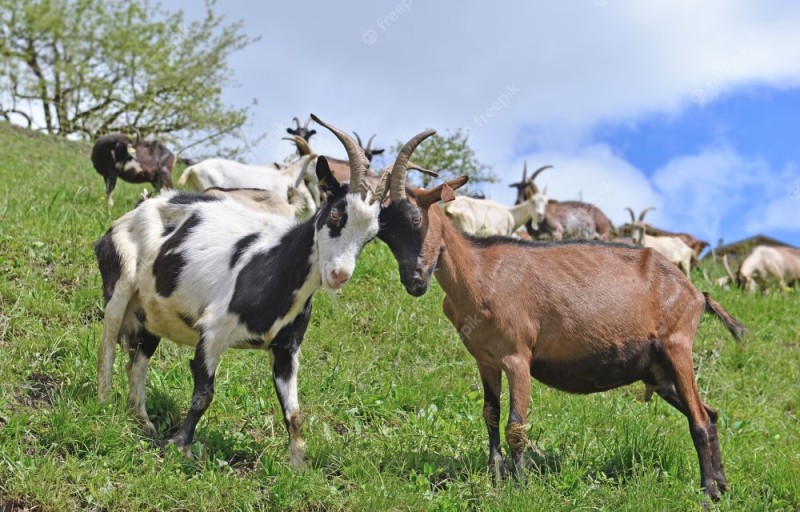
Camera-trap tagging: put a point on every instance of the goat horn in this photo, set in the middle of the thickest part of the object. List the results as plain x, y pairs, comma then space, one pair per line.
397, 185
308, 122
633, 215
360, 144
296, 122
417, 167
537, 171
369, 142
525, 171
727, 267
380, 190
355, 155
301, 143
644, 212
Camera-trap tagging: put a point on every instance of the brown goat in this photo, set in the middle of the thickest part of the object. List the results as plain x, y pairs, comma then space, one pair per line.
598, 316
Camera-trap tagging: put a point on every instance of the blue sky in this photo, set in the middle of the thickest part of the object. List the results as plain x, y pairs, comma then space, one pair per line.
691, 107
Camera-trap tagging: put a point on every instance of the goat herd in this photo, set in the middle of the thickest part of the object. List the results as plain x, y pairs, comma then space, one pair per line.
229, 265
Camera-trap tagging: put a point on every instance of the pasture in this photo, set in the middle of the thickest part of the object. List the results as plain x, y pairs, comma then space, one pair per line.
392, 400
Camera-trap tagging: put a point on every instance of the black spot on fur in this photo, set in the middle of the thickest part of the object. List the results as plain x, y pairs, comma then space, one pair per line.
169, 262
240, 246
266, 285
147, 343
188, 321
193, 197
109, 262
287, 343
335, 227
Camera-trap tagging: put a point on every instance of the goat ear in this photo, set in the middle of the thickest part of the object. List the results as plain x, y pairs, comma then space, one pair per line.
290, 131
327, 181
377, 151
312, 132
447, 194
444, 192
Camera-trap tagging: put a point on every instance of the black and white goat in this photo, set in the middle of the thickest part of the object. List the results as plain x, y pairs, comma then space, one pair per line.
213, 273
117, 156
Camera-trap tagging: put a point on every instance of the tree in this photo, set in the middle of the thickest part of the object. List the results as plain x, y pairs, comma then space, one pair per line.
89, 67
452, 156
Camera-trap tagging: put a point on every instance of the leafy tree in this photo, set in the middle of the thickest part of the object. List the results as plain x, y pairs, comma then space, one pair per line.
89, 67
451, 155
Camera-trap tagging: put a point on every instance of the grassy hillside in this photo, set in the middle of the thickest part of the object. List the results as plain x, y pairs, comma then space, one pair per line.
391, 398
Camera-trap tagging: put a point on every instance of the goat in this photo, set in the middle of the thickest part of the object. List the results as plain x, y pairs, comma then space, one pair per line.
695, 244
597, 316
762, 264
566, 220
486, 218
301, 131
221, 173
263, 200
116, 156
673, 248
213, 273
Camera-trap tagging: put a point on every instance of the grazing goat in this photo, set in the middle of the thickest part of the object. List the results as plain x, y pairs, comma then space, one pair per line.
221, 173
597, 316
213, 273
764, 263
672, 247
482, 217
116, 156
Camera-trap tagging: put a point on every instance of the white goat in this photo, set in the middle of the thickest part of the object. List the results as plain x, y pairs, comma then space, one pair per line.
673, 248
221, 173
768, 262
482, 217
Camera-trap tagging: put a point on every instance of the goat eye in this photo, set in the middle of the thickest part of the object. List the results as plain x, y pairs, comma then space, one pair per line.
417, 221
334, 217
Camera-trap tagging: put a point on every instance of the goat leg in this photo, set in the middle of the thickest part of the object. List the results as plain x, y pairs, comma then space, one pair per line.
285, 351
519, 388
203, 366
492, 384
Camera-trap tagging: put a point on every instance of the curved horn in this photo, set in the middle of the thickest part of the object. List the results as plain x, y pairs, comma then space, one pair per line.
380, 190
296, 122
308, 122
633, 215
417, 167
358, 139
301, 143
369, 142
525, 171
537, 171
727, 267
644, 212
397, 185
355, 155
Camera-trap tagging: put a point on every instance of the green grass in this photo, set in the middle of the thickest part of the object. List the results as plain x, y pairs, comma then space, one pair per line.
390, 396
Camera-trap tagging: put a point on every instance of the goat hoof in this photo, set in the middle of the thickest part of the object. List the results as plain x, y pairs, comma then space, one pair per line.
185, 449
713, 493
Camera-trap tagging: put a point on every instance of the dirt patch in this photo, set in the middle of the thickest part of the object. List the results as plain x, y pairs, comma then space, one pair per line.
39, 390
9, 505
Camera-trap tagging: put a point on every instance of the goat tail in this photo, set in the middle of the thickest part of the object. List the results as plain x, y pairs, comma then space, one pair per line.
736, 328
185, 175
